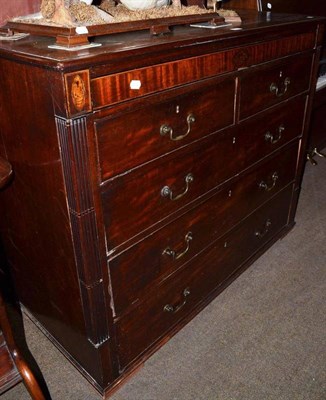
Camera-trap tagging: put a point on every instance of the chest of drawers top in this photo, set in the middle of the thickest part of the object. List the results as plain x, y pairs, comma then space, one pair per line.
127, 51
135, 65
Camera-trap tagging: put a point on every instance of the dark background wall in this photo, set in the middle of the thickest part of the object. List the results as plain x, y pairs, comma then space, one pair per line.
14, 8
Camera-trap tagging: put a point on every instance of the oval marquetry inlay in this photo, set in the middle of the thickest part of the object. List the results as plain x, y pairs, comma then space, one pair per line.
78, 93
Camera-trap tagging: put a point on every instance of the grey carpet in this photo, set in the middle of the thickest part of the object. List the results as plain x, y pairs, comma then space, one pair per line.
263, 338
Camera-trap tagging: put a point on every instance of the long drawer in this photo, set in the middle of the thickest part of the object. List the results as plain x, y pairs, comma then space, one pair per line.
264, 87
132, 138
134, 272
176, 297
137, 200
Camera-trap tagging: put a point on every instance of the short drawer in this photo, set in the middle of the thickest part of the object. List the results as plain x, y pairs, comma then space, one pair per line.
161, 254
174, 299
139, 199
159, 127
264, 87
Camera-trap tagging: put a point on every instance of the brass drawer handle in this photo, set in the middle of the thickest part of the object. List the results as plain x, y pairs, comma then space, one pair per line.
264, 185
174, 309
174, 254
168, 130
270, 138
261, 234
279, 92
166, 191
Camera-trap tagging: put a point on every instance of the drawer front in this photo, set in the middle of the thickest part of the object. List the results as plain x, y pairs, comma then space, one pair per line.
110, 89
265, 87
176, 297
132, 138
137, 200
135, 271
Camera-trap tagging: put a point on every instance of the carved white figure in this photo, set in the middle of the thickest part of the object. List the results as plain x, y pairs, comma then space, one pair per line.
144, 4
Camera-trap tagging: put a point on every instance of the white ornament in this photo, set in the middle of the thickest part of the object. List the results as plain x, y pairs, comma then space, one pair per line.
87, 1
144, 4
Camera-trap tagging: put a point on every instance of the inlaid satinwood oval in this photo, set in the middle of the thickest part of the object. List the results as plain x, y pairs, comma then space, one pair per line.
78, 93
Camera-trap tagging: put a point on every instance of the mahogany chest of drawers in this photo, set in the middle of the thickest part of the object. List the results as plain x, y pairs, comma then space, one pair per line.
149, 172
